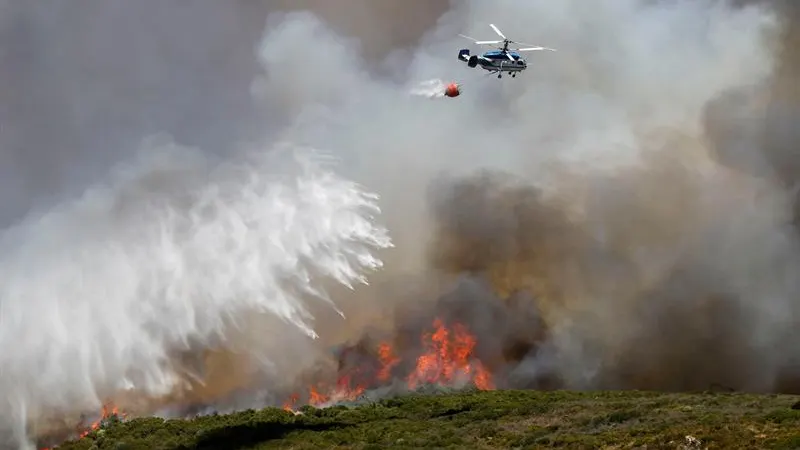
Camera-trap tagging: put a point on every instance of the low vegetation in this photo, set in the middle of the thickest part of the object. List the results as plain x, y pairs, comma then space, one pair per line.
481, 420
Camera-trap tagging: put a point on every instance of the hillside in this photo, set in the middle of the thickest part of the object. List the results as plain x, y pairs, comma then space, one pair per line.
482, 420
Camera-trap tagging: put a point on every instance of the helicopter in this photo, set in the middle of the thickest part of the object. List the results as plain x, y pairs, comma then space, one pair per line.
501, 60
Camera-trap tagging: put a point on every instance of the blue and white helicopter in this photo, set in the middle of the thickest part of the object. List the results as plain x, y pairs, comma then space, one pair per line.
501, 60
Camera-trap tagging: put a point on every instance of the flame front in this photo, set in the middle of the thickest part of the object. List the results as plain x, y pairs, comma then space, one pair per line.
346, 389
388, 361
107, 412
448, 359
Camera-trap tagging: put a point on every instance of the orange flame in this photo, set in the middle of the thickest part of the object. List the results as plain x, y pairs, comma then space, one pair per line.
448, 359
107, 412
319, 394
289, 404
388, 360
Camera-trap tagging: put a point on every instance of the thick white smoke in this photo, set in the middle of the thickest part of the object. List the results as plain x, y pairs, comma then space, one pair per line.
98, 293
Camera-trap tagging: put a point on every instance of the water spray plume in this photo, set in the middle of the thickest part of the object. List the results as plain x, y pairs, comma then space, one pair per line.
170, 255
436, 88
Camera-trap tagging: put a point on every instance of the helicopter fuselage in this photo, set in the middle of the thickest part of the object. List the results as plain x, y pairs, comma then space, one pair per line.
495, 61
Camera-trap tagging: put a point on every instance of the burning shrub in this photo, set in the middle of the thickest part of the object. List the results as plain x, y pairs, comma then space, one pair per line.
467, 339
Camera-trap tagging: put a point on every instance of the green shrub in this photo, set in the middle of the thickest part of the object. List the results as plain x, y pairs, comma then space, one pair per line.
496, 419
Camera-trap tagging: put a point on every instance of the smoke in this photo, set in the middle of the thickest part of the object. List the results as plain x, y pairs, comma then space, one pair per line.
84, 81
616, 243
654, 267
592, 182
646, 289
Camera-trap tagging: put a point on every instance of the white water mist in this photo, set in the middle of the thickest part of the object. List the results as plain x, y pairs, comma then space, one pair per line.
97, 292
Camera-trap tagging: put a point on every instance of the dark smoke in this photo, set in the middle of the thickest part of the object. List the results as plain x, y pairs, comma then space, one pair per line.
635, 295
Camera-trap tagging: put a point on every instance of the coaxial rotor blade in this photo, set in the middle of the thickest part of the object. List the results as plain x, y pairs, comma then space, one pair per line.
530, 49
497, 31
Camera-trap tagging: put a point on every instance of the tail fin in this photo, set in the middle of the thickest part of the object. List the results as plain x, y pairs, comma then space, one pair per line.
463, 54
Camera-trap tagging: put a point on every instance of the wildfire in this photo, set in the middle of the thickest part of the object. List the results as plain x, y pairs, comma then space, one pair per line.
346, 389
388, 360
448, 359
107, 412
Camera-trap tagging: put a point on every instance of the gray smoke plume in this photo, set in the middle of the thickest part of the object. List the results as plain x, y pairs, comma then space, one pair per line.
604, 195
